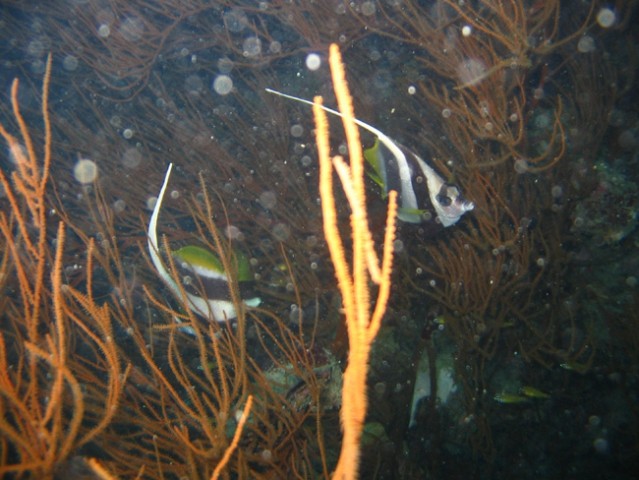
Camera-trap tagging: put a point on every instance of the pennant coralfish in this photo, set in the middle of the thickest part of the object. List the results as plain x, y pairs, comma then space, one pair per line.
204, 281
424, 195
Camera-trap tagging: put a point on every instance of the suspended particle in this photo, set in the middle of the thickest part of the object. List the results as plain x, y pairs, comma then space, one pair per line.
235, 20
150, 202
225, 65
252, 47
368, 9
280, 232
313, 61
411, 89
119, 206
606, 17
268, 200
131, 157
70, 63
233, 233
297, 131
85, 171
275, 47
467, 30
127, 133
586, 44
223, 84
104, 30
521, 165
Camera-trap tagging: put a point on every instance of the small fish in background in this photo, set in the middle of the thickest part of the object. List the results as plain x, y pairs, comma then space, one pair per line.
526, 394
510, 398
424, 196
532, 392
204, 281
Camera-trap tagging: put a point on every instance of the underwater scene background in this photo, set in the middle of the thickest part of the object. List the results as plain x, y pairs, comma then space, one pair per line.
510, 343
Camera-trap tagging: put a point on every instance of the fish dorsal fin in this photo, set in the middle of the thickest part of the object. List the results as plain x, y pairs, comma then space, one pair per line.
378, 172
154, 249
408, 195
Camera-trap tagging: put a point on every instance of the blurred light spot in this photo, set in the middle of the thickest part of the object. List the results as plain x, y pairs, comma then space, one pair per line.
85, 171
606, 17
252, 47
313, 61
131, 158
586, 44
223, 84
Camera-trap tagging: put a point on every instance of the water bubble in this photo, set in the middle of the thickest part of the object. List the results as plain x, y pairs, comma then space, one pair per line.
281, 232
131, 157
252, 47
471, 71
119, 206
313, 61
521, 165
132, 29
70, 63
17, 153
36, 48
193, 84
446, 113
556, 191
368, 9
268, 200
627, 140
543, 120
411, 90
85, 171
606, 17
586, 44
127, 133
380, 388
297, 131
235, 20
104, 30
311, 241
601, 445
223, 84
275, 47
233, 233
225, 65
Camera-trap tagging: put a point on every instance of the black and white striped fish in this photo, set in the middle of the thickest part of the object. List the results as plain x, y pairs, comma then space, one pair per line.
202, 275
425, 198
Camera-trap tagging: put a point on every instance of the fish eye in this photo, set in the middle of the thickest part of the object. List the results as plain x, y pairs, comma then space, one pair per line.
444, 200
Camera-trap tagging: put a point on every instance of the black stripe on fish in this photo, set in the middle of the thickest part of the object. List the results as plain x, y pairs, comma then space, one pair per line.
420, 188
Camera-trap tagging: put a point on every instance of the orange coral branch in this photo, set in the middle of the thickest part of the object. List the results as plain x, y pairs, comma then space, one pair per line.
236, 439
354, 281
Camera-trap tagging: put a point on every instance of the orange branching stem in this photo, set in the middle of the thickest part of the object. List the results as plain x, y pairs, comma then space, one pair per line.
236, 439
353, 281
